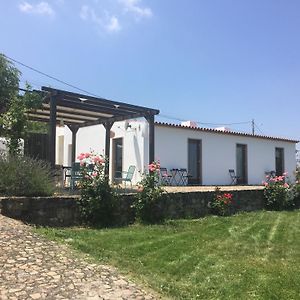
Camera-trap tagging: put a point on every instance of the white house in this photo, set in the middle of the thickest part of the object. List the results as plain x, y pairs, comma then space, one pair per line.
207, 154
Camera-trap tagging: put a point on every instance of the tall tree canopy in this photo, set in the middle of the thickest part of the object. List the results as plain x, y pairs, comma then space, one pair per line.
14, 122
9, 82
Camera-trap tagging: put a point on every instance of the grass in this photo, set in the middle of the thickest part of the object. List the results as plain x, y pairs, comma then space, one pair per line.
246, 256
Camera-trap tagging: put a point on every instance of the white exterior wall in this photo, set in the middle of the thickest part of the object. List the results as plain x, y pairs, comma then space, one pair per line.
3, 147
93, 139
171, 148
219, 153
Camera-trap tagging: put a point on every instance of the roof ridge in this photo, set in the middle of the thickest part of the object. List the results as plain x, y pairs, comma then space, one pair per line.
213, 130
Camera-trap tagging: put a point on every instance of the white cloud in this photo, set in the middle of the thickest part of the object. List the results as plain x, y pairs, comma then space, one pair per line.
134, 7
42, 8
107, 22
88, 14
113, 24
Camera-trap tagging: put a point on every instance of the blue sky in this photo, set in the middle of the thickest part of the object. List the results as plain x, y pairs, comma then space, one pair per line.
213, 61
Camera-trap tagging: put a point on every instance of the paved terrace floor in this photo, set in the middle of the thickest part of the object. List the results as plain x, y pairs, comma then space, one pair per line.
227, 188
179, 189
32, 267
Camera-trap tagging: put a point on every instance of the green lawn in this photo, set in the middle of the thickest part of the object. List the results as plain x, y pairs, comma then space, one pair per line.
246, 256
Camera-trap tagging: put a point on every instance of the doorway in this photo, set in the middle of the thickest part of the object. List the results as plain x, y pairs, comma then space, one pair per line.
194, 162
241, 164
117, 158
279, 161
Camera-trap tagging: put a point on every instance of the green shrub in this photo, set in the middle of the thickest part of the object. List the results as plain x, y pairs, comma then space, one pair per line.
147, 201
98, 200
279, 194
24, 176
221, 203
297, 174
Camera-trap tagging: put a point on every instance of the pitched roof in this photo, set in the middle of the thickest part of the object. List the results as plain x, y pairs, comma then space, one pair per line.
216, 131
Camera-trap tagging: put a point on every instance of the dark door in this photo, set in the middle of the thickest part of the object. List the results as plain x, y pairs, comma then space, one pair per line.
36, 145
194, 162
117, 158
279, 161
241, 164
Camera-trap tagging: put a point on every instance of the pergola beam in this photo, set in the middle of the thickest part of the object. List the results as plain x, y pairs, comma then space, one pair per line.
88, 107
113, 119
101, 101
77, 111
61, 114
52, 130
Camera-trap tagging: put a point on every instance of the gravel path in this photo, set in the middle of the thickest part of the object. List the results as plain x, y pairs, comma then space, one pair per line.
32, 267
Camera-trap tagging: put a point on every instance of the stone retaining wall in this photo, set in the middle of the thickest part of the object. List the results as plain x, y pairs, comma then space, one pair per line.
46, 211
63, 210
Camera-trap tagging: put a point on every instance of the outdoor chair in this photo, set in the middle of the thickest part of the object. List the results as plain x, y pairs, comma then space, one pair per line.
76, 175
127, 176
234, 178
269, 175
164, 176
185, 176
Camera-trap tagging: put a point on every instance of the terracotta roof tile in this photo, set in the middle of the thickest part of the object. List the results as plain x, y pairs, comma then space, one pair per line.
225, 132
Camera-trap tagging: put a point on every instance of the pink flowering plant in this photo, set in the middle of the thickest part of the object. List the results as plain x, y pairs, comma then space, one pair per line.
150, 193
97, 199
279, 192
221, 203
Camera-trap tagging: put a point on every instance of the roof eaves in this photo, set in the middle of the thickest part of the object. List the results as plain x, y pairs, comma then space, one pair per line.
211, 130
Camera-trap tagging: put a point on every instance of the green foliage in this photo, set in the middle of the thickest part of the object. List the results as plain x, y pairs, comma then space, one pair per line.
24, 176
297, 174
98, 200
147, 200
37, 127
279, 194
14, 122
245, 256
221, 203
9, 82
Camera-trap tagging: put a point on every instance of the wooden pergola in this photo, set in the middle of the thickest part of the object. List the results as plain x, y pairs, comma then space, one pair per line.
78, 110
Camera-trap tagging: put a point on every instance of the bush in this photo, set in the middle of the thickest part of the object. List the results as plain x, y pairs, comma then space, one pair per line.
279, 194
221, 203
148, 198
97, 201
297, 174
24, 176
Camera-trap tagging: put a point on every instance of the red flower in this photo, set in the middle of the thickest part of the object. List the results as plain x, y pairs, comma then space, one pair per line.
98, 159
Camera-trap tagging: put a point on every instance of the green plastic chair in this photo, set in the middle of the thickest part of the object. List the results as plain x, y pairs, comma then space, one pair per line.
128, 176
76, 174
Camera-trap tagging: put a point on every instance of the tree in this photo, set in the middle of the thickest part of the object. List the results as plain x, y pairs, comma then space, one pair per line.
14, 123
9, 82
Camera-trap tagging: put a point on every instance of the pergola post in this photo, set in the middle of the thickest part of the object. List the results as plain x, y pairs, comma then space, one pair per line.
150, 119
52, 130
107, 126
74, 130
